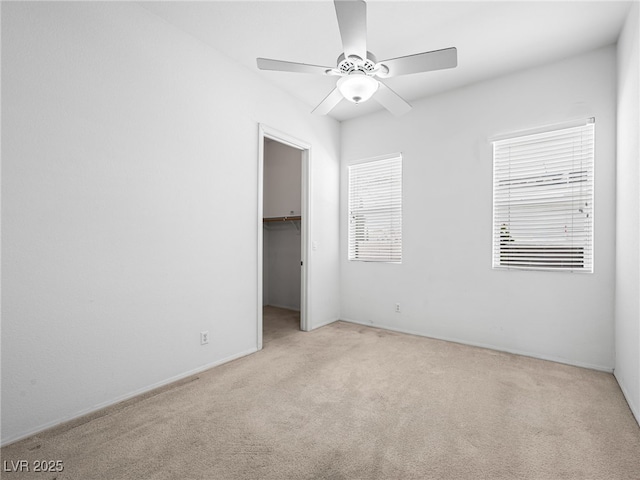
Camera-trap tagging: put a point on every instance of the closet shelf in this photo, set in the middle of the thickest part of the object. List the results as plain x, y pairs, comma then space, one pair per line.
282, 219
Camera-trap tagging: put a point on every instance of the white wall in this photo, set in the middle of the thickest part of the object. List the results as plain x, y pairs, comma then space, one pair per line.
282, 180
627, 307
445, 284
129, 205
282, 259
282, 252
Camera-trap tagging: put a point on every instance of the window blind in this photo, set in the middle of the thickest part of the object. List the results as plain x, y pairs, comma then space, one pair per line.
543, 200
375, 210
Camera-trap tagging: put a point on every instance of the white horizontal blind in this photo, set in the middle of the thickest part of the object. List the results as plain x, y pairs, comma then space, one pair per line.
375, 210
543, 200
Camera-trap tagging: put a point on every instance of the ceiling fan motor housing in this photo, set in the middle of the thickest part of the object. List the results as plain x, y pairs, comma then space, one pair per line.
348, 65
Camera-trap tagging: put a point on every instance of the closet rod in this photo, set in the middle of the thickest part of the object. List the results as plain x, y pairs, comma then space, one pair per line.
281, 219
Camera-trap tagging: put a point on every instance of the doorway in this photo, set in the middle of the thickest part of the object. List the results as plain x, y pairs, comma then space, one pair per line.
283, 225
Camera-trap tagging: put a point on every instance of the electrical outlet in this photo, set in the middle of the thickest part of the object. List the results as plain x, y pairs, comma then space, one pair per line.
397, 308
204, 338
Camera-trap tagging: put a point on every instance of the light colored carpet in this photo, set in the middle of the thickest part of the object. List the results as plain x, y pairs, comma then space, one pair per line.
351, 402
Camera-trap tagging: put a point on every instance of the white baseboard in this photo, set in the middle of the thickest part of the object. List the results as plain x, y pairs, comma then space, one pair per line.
488, 346
635, 410
324, 323
122, 398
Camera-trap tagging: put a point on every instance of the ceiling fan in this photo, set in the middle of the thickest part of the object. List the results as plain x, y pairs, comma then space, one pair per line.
358, 69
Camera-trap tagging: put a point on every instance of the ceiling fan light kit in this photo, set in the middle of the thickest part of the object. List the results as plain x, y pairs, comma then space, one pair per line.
357, 87
358, 67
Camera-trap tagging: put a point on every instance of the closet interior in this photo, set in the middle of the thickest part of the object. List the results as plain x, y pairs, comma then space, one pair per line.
282, 246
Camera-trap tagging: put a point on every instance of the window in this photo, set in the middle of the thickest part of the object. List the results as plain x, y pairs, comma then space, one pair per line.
375, 210
543, 200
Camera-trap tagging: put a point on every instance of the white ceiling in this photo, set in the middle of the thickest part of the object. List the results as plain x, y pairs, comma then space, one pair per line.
492, 38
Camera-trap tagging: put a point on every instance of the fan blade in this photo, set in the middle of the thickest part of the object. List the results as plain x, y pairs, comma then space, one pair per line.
352, 21
281, 66
421, 62
391, 100
329, 102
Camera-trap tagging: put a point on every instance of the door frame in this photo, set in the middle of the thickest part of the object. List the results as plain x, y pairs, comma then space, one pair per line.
265, 131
